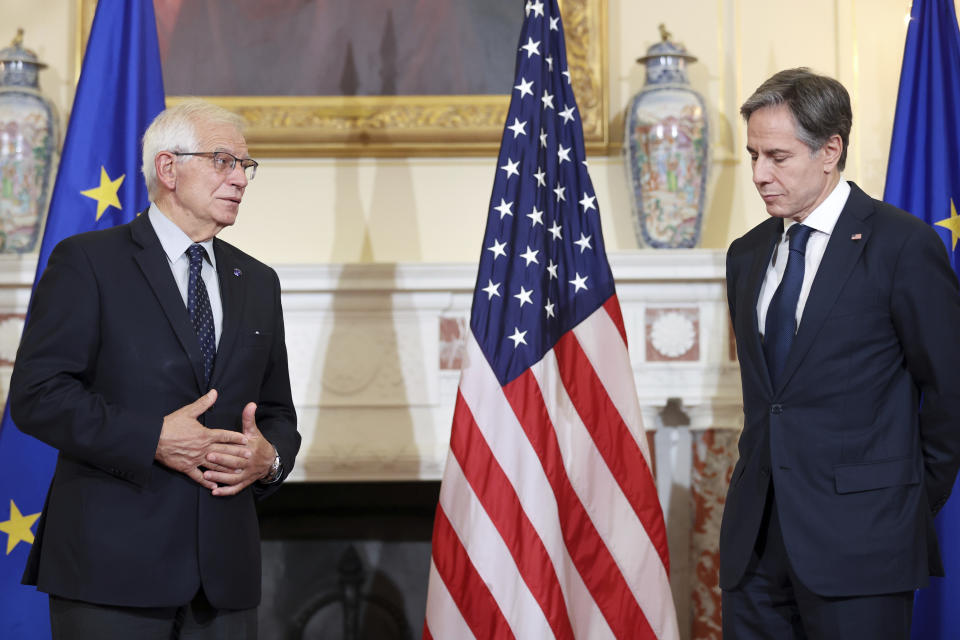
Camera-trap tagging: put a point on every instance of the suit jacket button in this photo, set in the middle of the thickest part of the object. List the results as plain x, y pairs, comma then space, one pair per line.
776, 409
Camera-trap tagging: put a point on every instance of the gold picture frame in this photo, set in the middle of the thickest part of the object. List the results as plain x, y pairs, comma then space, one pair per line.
319, 126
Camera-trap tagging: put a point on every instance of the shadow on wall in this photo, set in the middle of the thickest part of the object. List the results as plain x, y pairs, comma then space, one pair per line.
364, 372
727, 152
716, 221
390, 198
367, 354
356, 408
621, 189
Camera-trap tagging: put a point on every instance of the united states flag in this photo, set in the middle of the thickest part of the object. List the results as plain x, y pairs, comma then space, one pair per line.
548, 524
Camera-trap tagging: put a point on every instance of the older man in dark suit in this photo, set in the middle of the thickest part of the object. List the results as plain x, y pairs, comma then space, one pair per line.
154, 361
846, 315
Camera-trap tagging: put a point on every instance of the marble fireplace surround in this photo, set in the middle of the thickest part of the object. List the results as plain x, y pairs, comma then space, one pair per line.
374, 355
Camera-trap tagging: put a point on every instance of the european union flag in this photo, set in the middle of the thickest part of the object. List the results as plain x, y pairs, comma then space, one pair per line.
99, 185
923, 177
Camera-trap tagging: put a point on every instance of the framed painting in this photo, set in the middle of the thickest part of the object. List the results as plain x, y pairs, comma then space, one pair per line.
367, 77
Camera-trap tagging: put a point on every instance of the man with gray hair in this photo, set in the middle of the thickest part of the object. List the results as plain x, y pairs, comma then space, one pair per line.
845, 311
154, 361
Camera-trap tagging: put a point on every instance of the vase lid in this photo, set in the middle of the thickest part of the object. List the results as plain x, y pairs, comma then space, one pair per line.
666, 48
16, 53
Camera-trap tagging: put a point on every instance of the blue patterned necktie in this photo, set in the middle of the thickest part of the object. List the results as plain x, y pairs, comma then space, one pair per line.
198, 304
781, 323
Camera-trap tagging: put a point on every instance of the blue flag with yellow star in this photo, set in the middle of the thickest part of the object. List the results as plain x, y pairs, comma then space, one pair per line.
923, 177
99, 185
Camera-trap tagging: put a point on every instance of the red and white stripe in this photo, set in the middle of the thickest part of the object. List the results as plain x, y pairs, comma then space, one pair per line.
548, 524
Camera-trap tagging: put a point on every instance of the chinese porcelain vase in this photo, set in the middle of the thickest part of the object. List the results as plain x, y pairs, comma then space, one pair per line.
665, 148
27, 143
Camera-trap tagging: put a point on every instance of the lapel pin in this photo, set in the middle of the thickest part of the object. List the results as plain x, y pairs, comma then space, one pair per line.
856, 236
237, 272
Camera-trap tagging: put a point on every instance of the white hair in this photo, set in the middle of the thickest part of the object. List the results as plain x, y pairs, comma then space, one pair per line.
175, 129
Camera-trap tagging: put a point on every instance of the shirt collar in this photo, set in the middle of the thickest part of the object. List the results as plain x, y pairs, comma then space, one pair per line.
172, 238
824, 217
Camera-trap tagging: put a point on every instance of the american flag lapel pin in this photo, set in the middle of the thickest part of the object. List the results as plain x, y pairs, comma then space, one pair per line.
237, 273
856, 236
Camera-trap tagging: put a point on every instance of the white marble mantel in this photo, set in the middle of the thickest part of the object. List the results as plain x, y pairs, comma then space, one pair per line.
373, 353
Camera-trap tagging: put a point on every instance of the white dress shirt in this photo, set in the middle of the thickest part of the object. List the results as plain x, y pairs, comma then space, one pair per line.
822, 220
175, 244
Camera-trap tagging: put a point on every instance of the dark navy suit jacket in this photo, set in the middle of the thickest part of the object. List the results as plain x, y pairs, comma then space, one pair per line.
859, 464
109, 350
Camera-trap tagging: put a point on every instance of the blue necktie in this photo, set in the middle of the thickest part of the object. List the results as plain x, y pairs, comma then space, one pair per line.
781, 323
198, 304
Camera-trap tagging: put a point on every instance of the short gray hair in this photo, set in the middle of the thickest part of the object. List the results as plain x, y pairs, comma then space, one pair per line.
820, 106
175, 129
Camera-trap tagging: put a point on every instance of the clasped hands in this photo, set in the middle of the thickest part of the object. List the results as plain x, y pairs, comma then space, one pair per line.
233, 460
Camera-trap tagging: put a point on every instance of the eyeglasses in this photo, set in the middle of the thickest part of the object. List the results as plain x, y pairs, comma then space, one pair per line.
224, 162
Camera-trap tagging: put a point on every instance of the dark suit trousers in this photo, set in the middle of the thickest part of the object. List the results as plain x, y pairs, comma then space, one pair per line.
198, 620
770, 603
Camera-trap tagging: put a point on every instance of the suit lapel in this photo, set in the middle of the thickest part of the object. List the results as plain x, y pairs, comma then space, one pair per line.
758, 271
849, 237
156, 269
232, 293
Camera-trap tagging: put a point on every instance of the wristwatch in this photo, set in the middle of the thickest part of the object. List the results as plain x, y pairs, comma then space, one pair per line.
275, 469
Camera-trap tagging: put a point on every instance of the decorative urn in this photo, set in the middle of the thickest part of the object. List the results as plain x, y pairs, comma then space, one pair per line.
665, 147
27, 143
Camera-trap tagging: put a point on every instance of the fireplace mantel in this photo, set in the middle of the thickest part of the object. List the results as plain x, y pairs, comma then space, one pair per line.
374, 353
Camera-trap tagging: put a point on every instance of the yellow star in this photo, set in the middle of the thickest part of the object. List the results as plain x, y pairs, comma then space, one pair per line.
952, 223
106, 193
18, 527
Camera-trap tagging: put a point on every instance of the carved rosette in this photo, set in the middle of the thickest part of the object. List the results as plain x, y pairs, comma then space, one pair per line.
672, 334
